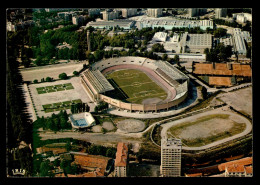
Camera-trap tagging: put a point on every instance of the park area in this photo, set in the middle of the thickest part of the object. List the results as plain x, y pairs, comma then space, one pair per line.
54, 88
135, 86
60, 105
51, 97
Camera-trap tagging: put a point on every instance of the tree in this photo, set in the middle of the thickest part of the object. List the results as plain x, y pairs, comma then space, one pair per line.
35, 81
45, 168
164, 56
76, 73
63, 76
48, 79
220, 32
68, 146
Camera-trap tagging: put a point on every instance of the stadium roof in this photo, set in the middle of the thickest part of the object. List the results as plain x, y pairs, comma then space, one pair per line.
98, 81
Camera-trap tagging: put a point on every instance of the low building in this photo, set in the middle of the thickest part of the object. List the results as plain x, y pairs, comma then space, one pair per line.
96, 165
244, 161
82, 120
238, 170
239, 40
125, 24
194, 175
121, 160
243, 17
195, 43
160, 37
175, 23
55, 151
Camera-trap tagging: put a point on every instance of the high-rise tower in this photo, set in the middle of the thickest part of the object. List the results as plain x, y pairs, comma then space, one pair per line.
170, 157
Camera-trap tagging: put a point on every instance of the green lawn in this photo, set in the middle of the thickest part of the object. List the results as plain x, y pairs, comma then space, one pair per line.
134, 86
59, 105
54, 88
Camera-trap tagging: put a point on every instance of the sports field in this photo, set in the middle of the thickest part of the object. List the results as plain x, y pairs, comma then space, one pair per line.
134, 86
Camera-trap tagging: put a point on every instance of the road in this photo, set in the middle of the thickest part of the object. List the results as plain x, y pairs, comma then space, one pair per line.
108, 139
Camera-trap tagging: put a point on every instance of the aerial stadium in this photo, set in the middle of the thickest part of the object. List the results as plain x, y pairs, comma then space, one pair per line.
135, 84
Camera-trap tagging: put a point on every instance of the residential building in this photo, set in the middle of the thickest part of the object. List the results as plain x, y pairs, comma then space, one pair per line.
110, 15
67, 16
10, 27
93, 11
243, 17
170, 157
154, 12
78, 19
129, 12
95, 164
238, 170
220, 12
247, 161
121, 160
194, 12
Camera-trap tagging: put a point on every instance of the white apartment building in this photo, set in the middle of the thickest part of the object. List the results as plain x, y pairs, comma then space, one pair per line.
220, 12
154, 12
242, 17
170, 157
110, 15
129, 12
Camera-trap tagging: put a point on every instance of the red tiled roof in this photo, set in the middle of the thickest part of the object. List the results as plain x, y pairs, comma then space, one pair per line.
92, 161
194, 175
239, 168
54, 150
244, 162
121, 154
249, 169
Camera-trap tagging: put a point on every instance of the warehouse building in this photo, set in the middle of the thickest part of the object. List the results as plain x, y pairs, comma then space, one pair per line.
125, 24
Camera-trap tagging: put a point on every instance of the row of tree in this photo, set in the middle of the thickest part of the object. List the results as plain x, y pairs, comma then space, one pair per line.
19, 127
218, 54
55, 123
79, 107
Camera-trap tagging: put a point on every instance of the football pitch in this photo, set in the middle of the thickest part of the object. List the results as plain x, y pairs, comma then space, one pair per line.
134, 86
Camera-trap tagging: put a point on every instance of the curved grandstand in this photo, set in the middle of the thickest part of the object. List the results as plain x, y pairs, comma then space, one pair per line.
167, 87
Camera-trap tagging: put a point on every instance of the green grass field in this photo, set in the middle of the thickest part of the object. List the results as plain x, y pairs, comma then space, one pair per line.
59, 106
54, 88
134, 86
